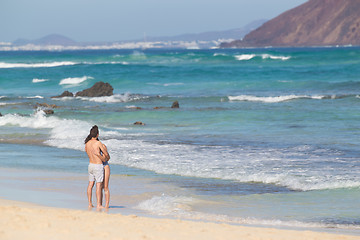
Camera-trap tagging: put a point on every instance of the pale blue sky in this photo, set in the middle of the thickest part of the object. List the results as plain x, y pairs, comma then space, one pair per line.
111, 20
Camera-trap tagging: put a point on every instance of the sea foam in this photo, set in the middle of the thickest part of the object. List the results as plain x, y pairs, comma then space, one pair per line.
166, 205
35, 97
116, 98
74, 81
271, 99
180, 207
35, 65
245, 57
242, 164
37, 80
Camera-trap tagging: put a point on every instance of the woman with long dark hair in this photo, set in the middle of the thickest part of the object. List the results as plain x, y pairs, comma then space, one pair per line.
98, 156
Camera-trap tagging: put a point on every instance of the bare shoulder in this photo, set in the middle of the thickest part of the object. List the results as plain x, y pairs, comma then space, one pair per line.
98, 143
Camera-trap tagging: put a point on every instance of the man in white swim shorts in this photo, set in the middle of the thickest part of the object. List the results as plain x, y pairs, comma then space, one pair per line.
97, 154
96, 172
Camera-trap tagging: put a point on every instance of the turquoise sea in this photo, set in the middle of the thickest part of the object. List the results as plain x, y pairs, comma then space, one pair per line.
262, 136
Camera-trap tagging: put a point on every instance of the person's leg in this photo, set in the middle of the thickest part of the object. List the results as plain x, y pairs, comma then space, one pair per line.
98, 194
106, 185
89, 193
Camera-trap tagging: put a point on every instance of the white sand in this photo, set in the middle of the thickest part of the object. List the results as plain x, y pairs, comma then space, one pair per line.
25, 221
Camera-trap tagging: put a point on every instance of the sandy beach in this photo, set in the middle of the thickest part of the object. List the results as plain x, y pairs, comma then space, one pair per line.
20, 220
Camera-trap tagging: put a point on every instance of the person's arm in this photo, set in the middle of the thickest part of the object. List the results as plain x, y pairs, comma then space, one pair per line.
102, 157
105, 152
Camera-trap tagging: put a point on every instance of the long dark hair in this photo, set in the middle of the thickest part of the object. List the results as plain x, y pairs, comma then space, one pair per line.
94, 131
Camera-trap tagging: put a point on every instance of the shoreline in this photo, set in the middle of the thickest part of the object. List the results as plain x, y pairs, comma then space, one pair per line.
21, 220
67, 190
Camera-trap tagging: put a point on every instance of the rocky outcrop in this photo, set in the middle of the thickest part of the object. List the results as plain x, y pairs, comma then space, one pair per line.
139, 123
99, 89
175, 104
48, 111
314, 23
64, 94
45, 105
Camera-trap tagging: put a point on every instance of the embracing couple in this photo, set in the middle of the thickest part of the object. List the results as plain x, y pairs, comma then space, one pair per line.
99, 169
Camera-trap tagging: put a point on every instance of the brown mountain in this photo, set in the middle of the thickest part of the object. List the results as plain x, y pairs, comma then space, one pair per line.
314, 23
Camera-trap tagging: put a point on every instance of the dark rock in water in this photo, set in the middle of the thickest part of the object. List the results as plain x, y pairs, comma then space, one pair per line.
64, 94
99, 89
134, 107
175, 104
45, 105
139, 123
1, 115
49, 111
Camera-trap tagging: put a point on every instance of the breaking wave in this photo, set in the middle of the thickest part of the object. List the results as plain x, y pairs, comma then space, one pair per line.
251, 98
245, 57
37, 80
36, 65
242, 164
117, 98
74, 81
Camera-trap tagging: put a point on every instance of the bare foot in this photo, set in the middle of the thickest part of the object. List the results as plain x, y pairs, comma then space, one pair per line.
99, 207
90, 206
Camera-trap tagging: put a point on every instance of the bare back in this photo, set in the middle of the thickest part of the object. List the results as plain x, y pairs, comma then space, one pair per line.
94, 148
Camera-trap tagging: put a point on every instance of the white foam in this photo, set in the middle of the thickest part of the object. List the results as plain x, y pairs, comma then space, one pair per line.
266, 56
166, 205
246, 57
74, 81
36, 65
219, 54
116, 98
36, 80
242, 164
180, 207
101, 63
63, 133
35, 97
271, 99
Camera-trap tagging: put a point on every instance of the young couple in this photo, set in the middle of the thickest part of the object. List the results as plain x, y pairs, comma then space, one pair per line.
99, 169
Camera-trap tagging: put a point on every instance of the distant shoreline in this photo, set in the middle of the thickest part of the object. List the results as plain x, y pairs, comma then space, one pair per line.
146, 46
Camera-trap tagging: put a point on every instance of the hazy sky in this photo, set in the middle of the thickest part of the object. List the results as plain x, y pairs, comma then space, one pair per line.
111, 20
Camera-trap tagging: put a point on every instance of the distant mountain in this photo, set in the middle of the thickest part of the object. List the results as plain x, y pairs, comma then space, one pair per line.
52, 39
314, 23
191, 41
213, 35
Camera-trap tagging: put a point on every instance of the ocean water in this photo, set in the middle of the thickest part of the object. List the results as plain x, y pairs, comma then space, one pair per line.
262, 136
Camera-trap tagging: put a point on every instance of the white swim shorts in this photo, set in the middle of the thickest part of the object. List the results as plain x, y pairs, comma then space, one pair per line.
96, 172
